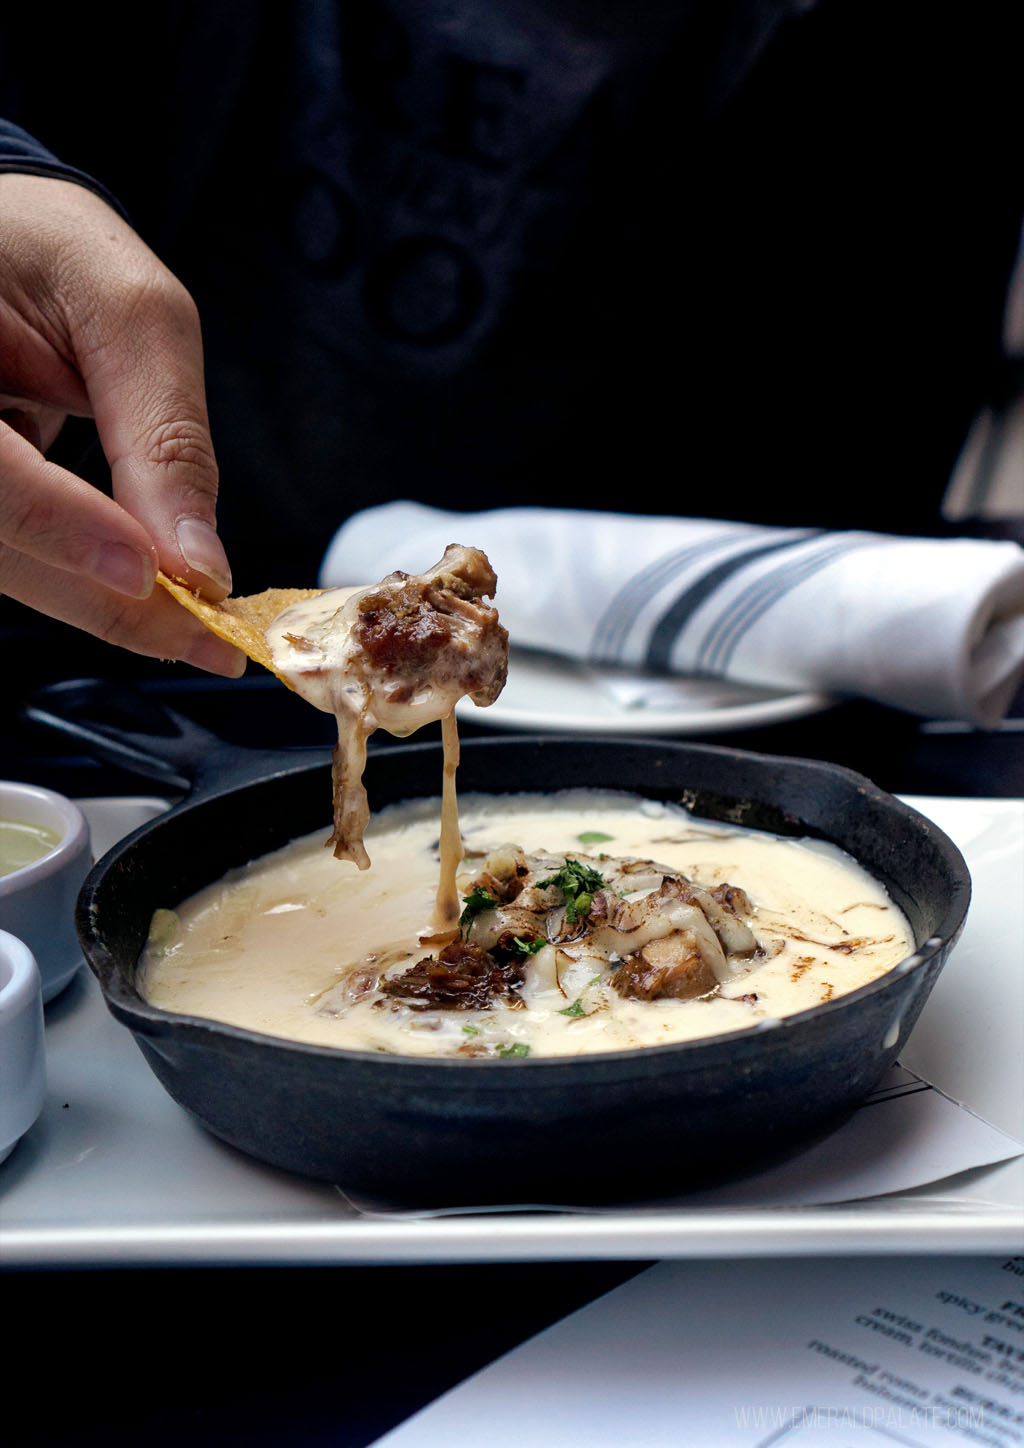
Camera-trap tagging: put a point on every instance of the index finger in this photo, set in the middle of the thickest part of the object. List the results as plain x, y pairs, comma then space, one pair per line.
142, 362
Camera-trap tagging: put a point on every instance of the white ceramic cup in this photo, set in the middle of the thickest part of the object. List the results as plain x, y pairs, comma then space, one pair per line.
37, 902
22, 1049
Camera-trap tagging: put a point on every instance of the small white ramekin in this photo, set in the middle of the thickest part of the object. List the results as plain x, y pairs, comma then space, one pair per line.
22, 1048
37, 902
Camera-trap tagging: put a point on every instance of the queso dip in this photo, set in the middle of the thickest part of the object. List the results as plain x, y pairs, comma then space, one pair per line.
610, 922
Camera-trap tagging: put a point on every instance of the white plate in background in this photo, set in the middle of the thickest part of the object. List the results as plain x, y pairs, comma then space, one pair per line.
549, 691
114, 1172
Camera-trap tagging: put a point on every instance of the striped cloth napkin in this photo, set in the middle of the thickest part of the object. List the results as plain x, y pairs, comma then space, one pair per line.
931, 626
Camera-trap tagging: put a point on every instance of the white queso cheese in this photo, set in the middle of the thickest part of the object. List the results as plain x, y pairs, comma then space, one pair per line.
627, 923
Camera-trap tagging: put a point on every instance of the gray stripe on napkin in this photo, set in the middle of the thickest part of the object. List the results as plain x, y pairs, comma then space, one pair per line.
668, 627
714, 654
619, 618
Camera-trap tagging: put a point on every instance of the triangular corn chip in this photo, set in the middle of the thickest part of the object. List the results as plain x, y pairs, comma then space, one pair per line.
242, 621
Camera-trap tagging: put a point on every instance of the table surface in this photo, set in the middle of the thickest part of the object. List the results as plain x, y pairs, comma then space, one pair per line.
339, 1354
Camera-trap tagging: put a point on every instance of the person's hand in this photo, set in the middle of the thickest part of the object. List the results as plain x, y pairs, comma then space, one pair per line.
92, 324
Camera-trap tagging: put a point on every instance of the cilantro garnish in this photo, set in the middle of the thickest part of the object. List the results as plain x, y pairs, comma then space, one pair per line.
516, 1048
594, 837
475, 902
577, 883
576, 1009
529, 947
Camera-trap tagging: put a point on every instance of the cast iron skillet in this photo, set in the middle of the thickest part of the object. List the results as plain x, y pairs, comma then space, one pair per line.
624, 1125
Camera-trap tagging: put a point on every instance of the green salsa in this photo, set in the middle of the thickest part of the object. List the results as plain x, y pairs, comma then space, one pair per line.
22, 843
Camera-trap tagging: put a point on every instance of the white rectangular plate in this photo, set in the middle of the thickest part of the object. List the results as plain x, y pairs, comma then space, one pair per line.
115, 1173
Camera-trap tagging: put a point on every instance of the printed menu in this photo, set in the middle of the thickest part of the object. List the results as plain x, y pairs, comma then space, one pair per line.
834, 1353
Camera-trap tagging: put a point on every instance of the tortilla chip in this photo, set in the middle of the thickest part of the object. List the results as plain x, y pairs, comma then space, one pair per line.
241, 621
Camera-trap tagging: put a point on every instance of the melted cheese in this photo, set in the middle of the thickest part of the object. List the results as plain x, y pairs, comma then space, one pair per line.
313, 644
313, 647
396, 656
291, 946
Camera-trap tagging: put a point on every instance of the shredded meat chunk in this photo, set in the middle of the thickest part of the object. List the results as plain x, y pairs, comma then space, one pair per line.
648, 933
672, 967
462, 977
397, 639
434, 629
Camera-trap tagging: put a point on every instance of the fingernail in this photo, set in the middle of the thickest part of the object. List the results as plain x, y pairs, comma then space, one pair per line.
123, 569
215, 656
203, 551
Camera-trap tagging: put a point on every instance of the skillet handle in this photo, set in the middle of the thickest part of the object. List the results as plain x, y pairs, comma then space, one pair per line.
132, 731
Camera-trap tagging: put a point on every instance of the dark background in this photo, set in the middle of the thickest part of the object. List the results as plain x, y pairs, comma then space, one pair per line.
848, 229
